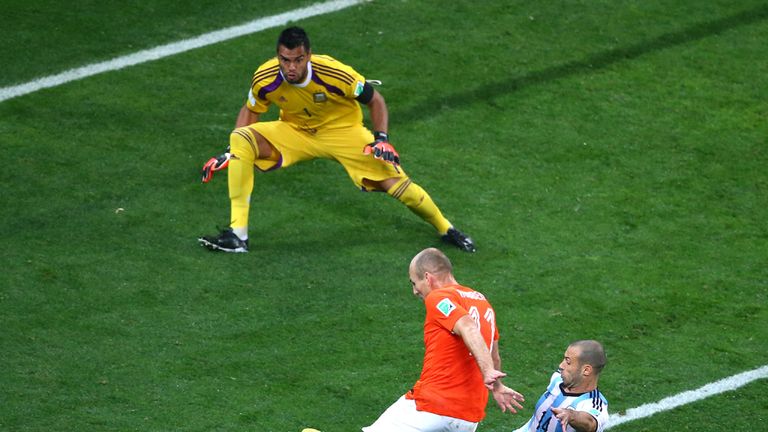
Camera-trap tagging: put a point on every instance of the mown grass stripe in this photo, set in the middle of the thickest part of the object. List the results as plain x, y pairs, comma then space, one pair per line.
726, 384
174, 48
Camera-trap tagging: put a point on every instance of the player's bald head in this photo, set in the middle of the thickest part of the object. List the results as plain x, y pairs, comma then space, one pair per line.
591, 353
433, 261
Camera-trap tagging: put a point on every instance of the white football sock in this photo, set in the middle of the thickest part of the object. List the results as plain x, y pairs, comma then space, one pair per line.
241, 232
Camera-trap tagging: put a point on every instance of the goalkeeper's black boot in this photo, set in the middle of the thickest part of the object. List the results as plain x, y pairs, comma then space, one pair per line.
226, 241
460, 240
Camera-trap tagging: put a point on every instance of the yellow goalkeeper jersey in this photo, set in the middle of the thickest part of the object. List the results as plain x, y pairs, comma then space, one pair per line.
326, 98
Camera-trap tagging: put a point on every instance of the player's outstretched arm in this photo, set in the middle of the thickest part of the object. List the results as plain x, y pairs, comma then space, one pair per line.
380, 147
379, 112
246, 117
579, 420
466, 328
506, 398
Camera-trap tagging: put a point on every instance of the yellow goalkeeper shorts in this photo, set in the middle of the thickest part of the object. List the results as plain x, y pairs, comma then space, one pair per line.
344, 145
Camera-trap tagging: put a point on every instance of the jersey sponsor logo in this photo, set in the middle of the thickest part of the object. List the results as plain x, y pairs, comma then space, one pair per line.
446, 307
358, 89
319, 97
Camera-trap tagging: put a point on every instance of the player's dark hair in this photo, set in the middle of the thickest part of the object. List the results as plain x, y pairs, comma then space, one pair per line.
592, 353
293, 37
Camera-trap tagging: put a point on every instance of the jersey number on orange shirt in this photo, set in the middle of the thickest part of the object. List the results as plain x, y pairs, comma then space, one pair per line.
489, 316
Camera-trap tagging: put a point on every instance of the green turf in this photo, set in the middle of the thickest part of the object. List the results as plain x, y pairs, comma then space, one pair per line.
609, 158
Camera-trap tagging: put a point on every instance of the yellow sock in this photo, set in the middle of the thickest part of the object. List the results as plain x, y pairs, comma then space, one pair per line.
240, 177
419, 202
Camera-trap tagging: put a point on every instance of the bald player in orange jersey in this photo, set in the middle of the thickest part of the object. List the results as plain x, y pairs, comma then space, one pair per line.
461, 357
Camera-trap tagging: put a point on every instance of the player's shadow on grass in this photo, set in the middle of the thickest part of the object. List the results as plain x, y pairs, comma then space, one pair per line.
600, 60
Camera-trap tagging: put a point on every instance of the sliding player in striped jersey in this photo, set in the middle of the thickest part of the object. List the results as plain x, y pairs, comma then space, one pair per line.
320, 118
572, 401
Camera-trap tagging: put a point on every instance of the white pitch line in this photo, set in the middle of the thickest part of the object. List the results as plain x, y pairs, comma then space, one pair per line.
175, 47
668, 403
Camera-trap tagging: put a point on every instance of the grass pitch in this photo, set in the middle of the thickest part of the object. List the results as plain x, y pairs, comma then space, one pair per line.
608, 158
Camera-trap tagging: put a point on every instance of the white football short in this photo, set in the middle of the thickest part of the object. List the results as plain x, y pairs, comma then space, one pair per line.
402, 416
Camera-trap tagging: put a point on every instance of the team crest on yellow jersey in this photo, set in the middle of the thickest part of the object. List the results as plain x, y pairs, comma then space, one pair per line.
319, 97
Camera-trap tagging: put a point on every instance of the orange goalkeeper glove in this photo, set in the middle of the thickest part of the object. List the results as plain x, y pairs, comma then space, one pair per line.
214, 164
383, 150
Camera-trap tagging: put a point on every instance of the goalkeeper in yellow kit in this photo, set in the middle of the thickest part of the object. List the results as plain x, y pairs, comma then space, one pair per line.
320, 117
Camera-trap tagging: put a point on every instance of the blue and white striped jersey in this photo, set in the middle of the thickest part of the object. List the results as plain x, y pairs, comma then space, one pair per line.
543, 420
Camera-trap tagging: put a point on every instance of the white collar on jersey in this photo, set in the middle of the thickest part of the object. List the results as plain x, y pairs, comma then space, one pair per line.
306, 80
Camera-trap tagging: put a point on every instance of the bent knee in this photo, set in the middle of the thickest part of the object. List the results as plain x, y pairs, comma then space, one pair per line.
243, 144
381, 185
246, 141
